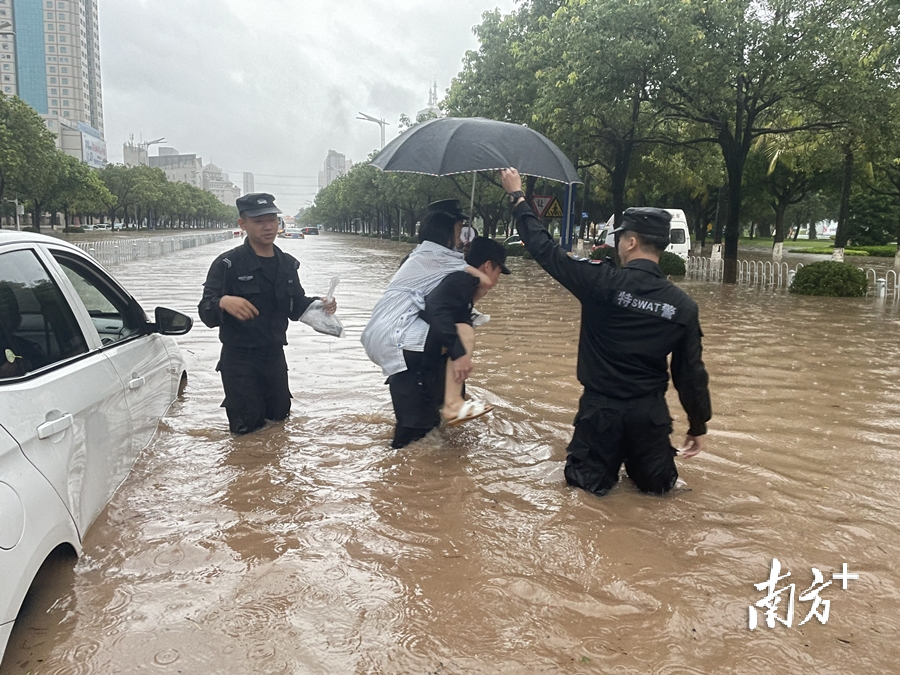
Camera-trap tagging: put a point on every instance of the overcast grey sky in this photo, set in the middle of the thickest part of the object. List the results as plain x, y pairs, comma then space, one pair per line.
269, 86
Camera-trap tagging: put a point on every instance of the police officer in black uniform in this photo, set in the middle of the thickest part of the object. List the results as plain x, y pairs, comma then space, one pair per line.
250, 293
421, 391
631, 320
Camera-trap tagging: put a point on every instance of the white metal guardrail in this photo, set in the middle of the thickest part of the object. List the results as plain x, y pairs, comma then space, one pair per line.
778, 275
118, 251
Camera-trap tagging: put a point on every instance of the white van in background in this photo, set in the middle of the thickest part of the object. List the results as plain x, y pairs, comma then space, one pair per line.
679, 234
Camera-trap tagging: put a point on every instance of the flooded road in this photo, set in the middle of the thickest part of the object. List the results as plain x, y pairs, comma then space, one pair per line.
313, 547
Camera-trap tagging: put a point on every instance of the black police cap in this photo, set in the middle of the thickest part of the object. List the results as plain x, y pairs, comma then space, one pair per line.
646, 220
484, 249
256, 204
451, 207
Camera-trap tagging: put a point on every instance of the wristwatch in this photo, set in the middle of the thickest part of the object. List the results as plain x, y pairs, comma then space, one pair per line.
514, 196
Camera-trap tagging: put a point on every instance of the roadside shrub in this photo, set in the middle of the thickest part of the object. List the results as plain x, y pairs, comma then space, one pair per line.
873, 219
74, 229
831, 279
604, 251
672, 264
888, 251
514, 251
31, 228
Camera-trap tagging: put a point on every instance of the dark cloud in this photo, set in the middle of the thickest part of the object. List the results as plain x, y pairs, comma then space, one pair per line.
269, 86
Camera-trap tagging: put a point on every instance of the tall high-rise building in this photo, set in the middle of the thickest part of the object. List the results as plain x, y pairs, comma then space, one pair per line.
216, 181
183, 168
50, 58
335, 165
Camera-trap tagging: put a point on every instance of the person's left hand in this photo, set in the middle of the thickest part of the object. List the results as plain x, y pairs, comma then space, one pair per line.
692, 446
330, 305
461, 368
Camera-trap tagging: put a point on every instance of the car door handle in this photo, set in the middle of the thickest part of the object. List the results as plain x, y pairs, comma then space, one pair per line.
48, 429
136, 383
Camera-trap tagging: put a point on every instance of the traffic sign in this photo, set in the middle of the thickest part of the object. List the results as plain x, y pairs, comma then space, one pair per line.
554, 210
541, 202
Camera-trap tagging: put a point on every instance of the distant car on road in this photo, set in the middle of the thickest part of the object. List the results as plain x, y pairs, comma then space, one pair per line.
513, 240
309, 230
85, 377
292, 233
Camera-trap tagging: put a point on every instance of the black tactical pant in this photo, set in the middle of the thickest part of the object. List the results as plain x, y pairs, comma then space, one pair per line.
418, 393
610, 432
256, 386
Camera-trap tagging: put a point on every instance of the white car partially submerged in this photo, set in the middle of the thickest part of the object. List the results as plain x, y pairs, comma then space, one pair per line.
84, 378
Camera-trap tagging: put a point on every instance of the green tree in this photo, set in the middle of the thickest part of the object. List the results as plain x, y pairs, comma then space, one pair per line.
737, 65
863, 82
41, 181
79, 190
25, 146
122, 183
604, 62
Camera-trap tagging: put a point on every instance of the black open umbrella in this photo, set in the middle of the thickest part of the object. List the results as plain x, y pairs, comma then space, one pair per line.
450, 145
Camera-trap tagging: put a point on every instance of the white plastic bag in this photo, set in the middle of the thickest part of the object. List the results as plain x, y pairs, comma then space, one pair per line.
321, 321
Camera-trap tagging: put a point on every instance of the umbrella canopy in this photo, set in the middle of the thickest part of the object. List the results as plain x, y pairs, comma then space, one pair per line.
450, 145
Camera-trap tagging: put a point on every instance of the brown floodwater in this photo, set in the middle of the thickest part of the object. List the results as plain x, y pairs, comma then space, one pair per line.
313, 547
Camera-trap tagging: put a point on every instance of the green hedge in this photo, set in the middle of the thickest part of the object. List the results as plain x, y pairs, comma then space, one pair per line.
831, 279
672, 264
74, 229
602, 252
515, 251
888, 251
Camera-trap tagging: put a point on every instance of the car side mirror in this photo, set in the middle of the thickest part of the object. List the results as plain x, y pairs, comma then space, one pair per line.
170, 322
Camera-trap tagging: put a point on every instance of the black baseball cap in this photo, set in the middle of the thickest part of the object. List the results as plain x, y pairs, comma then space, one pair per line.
645, 220
256, 204
484, 249
451, 207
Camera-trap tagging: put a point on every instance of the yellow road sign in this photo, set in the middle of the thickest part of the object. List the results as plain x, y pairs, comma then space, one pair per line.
554, 210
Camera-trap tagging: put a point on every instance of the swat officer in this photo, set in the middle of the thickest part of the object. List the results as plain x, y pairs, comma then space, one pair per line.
631, 320
250, 293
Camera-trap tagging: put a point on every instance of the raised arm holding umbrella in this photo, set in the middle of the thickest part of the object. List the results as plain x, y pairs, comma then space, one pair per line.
632, 319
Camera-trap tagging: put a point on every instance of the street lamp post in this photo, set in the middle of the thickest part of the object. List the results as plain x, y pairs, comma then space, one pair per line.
379, 122
146, 145
382, 124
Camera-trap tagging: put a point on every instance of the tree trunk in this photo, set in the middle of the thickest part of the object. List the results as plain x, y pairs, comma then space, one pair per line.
841, 236
733, 224
721, 214
779, 221
617, 187
36, 216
